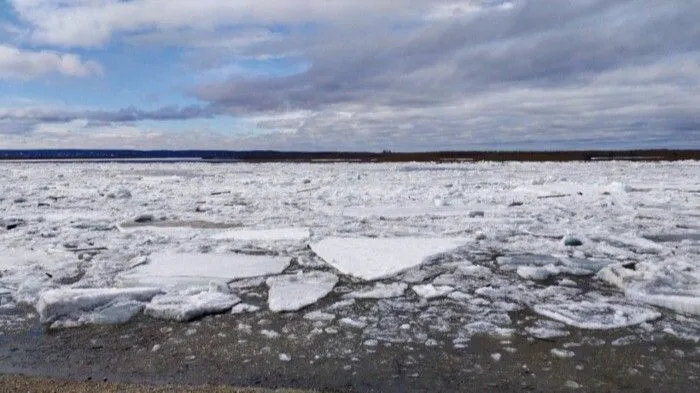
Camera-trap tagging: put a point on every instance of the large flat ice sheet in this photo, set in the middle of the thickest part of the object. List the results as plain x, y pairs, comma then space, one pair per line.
170, 269
377, 258
270, 235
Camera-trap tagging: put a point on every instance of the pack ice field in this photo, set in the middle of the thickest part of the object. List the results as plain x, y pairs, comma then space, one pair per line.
428, 254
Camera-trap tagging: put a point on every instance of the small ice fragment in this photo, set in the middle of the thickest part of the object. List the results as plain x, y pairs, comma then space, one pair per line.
496, 357
284, 357
319, 316
430, 291
371, 343
352, 323
271, 334
571, 384
155, 348
533, 273
244, 308
562, 353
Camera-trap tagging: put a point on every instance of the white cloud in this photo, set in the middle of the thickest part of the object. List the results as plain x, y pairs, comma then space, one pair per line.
92, 23
18, 63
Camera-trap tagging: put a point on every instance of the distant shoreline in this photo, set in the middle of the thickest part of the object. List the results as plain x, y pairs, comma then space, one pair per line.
214, 156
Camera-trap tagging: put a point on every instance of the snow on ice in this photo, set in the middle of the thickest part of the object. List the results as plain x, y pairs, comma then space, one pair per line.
295, 291
276, 234
181, 270
55, 304
597, 315
485, 238
374, 259
186, 306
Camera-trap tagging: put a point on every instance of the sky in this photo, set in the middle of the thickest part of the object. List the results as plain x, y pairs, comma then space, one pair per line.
351, 75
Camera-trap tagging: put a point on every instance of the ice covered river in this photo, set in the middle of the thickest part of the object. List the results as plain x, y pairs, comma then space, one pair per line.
399, 253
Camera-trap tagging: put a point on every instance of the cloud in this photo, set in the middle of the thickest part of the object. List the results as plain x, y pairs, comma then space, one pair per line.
125, 115
94, 22
18, 63
407, 74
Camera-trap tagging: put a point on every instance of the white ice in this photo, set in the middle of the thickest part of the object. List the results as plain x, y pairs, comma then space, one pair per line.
296, 291
380, 291
638, 223
430, 291
597, 315
270, 235
182, 270
70, 303
187, 306
373, 259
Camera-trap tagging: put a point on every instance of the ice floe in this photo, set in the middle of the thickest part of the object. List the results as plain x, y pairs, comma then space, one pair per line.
597, 315
373, 259
68, 303
189, 305
271, 235
296, 291
181, 270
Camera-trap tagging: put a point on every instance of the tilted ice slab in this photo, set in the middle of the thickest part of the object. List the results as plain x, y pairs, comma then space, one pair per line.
596, 315
170, 270
270, 235
296, 291
185, 307
56, 304
373, 258
675, 286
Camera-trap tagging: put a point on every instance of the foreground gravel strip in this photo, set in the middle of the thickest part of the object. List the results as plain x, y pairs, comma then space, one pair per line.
18, 383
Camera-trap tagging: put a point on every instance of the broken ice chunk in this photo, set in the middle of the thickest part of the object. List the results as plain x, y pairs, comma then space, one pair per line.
56, 304
296, 291
185, 306
430, 291
597, 315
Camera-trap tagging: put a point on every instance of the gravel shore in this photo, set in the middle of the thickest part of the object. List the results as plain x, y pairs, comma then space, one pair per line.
24, 384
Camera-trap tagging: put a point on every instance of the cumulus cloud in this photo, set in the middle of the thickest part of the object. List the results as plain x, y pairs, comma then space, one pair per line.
94, 22
17, 63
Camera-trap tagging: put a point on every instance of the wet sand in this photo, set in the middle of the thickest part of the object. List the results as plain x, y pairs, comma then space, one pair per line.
229, 350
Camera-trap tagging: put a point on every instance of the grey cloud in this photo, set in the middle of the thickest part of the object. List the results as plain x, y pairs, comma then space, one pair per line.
538, 43
125, 115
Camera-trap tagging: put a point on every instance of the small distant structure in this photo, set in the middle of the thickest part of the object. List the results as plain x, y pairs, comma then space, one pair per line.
386, 152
